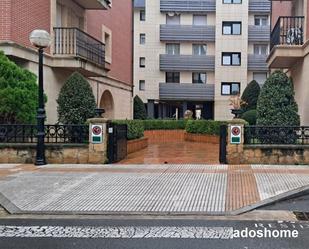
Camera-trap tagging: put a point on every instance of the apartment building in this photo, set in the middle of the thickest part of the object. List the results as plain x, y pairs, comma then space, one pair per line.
194, 54
290, 48
92, 37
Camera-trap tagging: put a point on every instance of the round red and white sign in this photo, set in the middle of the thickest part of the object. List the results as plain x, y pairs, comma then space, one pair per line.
96, 130
236, 131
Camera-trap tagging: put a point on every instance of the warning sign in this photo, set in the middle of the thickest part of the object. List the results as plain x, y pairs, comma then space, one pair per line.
235, 134
96, 134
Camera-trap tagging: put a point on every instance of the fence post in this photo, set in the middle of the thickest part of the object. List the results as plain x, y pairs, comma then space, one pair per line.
97, 140
223, 138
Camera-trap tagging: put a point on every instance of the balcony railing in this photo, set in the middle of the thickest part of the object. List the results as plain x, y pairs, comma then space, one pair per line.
75, 42
257, 62
260, 6
190, 63
289, 30
188, 5
259, 33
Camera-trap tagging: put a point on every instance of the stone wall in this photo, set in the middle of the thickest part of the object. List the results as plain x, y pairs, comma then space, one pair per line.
136, 145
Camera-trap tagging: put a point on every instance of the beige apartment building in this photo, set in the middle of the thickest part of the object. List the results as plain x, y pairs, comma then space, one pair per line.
290, 48
193, 55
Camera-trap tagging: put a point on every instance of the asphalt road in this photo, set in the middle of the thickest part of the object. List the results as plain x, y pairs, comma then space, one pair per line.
144, 234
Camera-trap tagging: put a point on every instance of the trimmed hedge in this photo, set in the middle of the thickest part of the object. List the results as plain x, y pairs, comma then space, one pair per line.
209, 127
161, 124
135, 128
250, 117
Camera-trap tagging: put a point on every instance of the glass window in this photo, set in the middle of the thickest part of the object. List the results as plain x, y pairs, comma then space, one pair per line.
199, 78
226, 60
142, 15
260, 49
236, 59
260, 77
199, 20
231, 1
230, 88
142, 38
261, 20
172, 19
172, 77
231, 28
142, 85
199, 49
142, 62
173, 48
231, 59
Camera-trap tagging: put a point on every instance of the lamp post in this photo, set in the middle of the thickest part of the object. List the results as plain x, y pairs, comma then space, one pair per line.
40, 39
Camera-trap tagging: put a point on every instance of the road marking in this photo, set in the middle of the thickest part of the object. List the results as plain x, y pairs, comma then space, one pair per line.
111, 232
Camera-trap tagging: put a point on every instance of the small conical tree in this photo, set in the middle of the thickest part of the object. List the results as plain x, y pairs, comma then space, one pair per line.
276, 104
18, 93
250, 96
139, 108
76, 102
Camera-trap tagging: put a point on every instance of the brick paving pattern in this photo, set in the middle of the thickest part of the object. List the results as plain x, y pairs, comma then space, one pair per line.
157, 188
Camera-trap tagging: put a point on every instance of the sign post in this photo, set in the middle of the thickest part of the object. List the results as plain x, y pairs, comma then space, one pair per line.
96, 134
236, 134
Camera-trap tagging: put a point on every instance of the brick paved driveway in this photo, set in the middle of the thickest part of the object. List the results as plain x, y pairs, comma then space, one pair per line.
176, 153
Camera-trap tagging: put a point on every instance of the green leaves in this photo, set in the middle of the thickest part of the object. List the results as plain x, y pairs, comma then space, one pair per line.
139, 109
76, 102
276, 104
250, 96
18, 93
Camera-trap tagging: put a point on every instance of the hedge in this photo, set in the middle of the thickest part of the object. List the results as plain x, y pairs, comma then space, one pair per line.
209, 127
160, 124
135, 128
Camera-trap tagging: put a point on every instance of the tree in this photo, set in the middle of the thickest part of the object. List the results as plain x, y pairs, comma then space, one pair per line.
139, 108
250, 116
250, 96
18, 93
276, 104
76, 102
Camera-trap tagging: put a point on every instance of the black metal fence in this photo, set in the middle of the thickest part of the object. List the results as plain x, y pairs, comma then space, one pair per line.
289, 30
15, 133
73, 41
297, 135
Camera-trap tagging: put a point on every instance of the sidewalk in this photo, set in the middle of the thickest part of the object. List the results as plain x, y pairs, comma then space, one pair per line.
146, 189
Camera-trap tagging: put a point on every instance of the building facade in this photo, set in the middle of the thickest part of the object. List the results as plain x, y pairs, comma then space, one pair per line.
92, 37
193, 55
290, 48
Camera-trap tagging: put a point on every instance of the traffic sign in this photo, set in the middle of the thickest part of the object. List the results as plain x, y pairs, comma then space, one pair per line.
235, 134
97, 134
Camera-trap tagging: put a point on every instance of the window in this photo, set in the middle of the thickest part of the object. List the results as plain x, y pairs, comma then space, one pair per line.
230, 88
199, 78
200, 20
260, 49
260, 77
142, 61
172, 19
261, 20
231, 1
231, 28
142, 38
199, 49
173, 48
172, 77
231, 59
142, 15
142, 85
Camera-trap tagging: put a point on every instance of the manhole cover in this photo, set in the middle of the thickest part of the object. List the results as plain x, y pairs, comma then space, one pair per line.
302, 216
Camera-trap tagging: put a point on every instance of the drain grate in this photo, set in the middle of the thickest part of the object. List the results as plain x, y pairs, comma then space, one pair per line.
302, 216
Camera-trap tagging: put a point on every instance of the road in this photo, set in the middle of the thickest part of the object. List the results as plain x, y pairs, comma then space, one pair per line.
118, 233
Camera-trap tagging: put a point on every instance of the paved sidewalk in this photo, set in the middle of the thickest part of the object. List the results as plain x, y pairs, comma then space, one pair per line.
144, 189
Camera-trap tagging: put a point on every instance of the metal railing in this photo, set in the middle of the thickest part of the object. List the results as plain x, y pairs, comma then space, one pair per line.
59, 134
289, 30
292, 135
73, 41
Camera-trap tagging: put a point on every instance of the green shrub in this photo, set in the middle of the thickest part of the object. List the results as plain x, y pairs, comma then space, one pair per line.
135, 128
250, 96
18, 93
250, 117
76, 102
161, 124
204, 127
139, 109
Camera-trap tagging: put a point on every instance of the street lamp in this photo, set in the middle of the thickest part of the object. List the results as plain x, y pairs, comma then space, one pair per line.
40, 39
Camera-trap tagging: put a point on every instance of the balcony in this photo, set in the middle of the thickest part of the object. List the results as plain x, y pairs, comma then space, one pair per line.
192, 63
187, 33
259, 33
186, 91
260, 6
286, 42
139, 4
257, 62
94, 4
188, 5
75, 43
